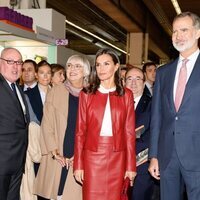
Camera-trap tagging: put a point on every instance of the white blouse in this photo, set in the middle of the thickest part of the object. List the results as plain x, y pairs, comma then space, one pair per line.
106, 127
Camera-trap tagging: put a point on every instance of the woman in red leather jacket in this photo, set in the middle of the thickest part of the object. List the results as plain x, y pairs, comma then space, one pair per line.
105, 132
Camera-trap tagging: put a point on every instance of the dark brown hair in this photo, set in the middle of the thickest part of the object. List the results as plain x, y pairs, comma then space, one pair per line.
95, 81
42, 63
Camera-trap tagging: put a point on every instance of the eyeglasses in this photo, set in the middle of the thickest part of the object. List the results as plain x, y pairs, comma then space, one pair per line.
76, 66
12, 62
131, 79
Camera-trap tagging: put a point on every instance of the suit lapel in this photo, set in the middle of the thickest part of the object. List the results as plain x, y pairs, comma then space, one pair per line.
192, 81
170, 82
12, 95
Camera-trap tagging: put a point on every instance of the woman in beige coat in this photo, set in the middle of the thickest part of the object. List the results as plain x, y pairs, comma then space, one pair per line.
55, 175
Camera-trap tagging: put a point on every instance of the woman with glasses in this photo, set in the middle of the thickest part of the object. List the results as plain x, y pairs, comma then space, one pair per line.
105, 132
55, 176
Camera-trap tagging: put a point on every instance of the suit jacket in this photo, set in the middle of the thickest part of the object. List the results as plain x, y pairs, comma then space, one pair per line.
143, 116
89, 121
36, 102
13, 130
146, 91
170, 129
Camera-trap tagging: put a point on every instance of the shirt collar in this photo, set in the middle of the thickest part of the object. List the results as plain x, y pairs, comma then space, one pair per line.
105, 90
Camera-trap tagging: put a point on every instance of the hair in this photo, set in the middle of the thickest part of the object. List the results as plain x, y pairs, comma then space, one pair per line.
56, 67
146, 65
84, 61
41, 64
137, 68
32, 62
95, 82
195, 18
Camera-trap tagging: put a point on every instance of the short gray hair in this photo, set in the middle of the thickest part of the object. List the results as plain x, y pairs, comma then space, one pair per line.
195, 18
84, 61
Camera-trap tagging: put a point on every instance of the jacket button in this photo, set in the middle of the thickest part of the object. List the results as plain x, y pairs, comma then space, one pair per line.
176, 118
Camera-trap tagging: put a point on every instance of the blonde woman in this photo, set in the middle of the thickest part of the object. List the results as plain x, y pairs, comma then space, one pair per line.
55, 177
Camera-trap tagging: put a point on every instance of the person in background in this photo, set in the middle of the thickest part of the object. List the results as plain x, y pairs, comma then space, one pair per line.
175, 135
105, 132
149, 70
28, 76
55, 175
14, 120
58, 74
123, 71
37, 94
143, 184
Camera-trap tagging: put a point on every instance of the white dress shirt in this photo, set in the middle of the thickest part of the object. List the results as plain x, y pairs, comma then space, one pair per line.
136, 101
190, 65
29, 86
149, 86
106, 127
19, 97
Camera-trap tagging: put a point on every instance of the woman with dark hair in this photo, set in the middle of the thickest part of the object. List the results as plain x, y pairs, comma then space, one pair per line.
105, 132
58, 74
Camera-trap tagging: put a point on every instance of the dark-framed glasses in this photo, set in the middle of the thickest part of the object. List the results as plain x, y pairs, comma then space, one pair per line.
12, 62
76, 66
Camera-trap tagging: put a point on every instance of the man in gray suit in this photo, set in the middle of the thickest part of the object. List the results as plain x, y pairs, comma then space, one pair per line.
175, 121
13, 125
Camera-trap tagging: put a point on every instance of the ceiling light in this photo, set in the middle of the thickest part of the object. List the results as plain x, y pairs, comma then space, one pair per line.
176, 6
95, 36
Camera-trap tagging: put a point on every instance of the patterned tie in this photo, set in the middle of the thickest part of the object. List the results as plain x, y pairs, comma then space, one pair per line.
182, 79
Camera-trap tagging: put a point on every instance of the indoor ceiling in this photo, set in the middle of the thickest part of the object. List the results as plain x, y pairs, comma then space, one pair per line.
112, 20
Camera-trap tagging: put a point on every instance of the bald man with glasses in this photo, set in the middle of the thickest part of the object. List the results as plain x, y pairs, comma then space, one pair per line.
13, 125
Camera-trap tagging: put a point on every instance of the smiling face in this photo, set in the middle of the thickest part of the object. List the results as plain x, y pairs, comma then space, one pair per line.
74, 70
44, 75
106, 69
135, 81
185, 35
11, 72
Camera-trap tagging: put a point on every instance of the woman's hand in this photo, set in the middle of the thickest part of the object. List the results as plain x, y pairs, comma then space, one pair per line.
60, 159
69, 162
79, 175
131, 175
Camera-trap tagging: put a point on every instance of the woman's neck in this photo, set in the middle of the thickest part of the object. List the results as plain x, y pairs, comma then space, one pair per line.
107, 84
77, 84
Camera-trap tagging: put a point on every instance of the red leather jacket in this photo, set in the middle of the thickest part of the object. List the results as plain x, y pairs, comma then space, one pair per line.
89, 121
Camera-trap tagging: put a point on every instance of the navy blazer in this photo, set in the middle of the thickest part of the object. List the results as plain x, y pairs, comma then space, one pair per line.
13, 130
143, 116
36, 102
170, 129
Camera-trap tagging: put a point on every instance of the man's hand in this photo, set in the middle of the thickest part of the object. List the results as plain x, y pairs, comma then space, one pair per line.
154, 168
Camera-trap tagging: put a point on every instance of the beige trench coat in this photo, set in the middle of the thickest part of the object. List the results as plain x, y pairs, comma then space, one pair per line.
53, 128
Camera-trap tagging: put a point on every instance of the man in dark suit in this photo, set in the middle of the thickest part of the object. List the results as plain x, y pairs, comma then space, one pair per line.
149, 70
175, 126
28, 74
13, 125
143, 184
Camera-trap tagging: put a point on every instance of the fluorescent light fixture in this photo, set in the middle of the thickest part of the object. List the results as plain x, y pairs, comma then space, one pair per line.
95, 36
176, 6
